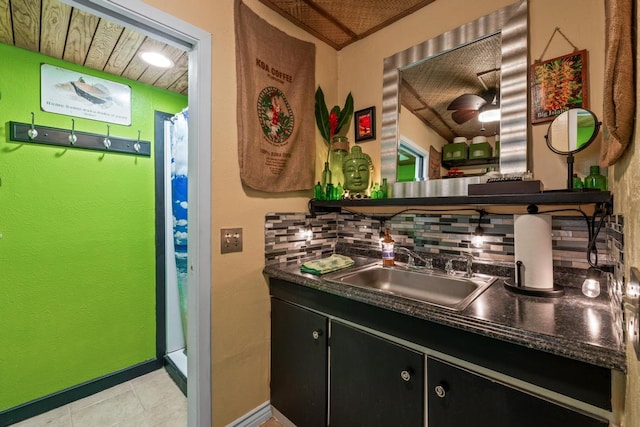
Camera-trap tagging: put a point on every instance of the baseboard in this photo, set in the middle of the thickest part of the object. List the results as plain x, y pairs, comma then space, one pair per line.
176, 375
253, 418
61, 398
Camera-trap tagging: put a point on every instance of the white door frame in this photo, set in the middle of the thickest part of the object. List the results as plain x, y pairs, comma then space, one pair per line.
168, 28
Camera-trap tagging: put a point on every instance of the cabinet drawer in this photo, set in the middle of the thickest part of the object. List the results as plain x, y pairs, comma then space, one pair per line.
457, 397
299, 364
373, 382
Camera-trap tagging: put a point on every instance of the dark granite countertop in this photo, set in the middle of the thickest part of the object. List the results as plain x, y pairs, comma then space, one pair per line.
572, 326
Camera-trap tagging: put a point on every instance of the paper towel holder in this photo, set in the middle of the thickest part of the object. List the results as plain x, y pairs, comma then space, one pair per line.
555, 292
516, 286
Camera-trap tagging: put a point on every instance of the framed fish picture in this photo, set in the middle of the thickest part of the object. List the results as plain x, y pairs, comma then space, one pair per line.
77, 94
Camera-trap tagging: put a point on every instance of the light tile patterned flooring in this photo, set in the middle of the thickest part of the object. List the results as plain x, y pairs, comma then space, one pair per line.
271, 422
147, 401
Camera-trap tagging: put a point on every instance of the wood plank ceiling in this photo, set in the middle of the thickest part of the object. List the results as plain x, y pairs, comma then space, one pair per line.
58, 30
64, 32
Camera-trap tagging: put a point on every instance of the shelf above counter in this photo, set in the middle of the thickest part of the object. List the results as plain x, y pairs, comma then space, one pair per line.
470, 162
544, 198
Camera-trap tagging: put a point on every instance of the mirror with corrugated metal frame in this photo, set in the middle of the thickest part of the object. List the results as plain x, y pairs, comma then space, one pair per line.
504, 30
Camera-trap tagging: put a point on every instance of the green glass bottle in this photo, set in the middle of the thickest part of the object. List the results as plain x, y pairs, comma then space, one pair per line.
318, 193
375, 191
339, 191
329, 190
384, 189
326, 175
577, 182
594, 180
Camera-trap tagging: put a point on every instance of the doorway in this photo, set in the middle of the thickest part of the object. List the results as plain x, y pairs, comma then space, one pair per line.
149, 20
171, 286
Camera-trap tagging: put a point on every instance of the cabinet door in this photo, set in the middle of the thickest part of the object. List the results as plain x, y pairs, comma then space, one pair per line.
373, 382
299, 364
457, 397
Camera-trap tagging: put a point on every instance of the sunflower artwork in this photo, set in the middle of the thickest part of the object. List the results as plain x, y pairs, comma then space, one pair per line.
558, 85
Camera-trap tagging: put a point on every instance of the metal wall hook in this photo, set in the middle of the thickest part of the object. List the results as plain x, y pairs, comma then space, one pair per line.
136, 145
107, 141
32, 132
73, 138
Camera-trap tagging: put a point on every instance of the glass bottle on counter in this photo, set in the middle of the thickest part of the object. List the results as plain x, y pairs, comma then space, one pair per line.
594, 180
388, 250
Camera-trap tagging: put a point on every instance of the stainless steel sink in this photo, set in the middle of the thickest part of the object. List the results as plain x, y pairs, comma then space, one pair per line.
453, 292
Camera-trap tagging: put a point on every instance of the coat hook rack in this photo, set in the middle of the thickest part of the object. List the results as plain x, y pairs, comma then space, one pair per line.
136, 146
24, 132
32, 132
73, 138
107, 141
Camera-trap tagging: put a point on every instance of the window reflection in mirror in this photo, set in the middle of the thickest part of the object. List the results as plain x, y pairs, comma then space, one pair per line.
412, 162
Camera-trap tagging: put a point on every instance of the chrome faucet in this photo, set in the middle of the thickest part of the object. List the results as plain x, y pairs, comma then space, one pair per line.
448, 267
468, 258
428, 262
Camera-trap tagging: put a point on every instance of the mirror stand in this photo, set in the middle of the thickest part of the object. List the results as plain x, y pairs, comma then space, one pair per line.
571, 132
570, 171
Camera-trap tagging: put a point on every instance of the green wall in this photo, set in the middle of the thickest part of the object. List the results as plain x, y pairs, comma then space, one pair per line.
77, 252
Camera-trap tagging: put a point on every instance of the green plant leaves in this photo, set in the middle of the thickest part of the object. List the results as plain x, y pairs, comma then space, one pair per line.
345, 115
322, 115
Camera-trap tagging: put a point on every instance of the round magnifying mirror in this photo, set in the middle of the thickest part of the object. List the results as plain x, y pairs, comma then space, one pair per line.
571, 132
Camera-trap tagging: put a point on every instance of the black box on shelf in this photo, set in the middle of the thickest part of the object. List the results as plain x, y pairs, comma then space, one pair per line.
505, 187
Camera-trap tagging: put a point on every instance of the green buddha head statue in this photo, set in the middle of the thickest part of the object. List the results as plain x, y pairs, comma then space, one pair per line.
357, 170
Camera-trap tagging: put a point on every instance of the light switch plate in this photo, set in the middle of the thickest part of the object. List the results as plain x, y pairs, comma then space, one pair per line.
230, 240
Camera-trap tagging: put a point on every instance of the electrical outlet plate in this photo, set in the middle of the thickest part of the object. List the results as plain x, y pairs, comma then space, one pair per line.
230, 240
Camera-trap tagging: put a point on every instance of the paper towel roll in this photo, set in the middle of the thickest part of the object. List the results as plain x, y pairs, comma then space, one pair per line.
532, 235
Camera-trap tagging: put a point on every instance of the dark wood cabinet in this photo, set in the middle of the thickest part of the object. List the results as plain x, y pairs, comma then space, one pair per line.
457, 397
338, 362
373, 381
299, 364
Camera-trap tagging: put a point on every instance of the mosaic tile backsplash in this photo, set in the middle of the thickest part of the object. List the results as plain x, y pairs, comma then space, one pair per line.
291, 236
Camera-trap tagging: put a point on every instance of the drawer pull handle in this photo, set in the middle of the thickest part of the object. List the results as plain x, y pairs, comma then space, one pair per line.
316, 334
405, 375
441, 391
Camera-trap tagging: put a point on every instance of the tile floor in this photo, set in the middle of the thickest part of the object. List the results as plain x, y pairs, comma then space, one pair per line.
150, 400
271, 422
